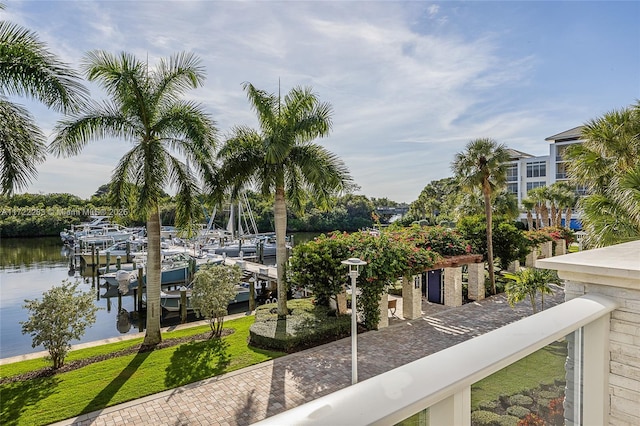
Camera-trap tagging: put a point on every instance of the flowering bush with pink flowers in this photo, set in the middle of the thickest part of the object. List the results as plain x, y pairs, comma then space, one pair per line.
389, 255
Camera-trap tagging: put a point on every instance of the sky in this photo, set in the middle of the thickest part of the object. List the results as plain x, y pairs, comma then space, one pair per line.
410, 83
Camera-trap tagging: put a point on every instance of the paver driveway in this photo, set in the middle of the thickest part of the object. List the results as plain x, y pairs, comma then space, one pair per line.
254, 393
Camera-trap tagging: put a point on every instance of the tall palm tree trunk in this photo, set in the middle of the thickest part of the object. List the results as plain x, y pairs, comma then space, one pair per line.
567, 217
538, 217
554, 215
559, 217
529, 220
544, 211
487, 210
280, 216
153, 335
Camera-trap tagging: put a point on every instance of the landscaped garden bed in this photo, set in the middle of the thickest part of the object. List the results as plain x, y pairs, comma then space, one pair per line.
307, 325
526, 393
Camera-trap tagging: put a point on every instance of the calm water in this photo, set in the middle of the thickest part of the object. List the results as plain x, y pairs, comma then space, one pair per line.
29, 267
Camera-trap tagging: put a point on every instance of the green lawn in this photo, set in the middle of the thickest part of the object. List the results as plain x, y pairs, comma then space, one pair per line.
46, 400
544, 365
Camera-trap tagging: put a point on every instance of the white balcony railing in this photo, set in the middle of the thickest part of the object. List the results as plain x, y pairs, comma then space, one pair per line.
442, 381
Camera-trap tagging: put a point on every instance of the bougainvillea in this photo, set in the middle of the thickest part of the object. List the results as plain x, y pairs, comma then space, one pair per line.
558, 232
389, 256
537, 237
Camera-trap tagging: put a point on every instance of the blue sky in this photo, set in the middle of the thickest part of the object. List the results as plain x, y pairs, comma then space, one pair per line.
411, 83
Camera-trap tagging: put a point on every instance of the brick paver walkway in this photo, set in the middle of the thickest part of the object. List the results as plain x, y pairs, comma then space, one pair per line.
260, 391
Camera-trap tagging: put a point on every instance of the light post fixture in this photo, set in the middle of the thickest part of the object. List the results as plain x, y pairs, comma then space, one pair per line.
354, 264
252, 292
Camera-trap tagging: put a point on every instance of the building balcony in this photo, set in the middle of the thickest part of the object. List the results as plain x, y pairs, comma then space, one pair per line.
600, 321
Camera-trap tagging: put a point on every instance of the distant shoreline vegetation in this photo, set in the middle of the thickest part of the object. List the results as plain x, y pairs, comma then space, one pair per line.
44, 215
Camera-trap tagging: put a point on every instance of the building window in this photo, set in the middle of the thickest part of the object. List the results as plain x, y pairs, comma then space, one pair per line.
561, 151
536, 169
532, 185
512, 188
561, 171
582, 190
512, 173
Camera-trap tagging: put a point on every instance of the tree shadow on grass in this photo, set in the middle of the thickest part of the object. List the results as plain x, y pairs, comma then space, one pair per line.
14, 397
197, 361
105, 396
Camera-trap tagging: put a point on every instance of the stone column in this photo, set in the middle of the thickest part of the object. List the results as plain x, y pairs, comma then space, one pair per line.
475, 274
530, 260
453, 286
561, 247
412, 297
546, 249
384, 311
342, 301
514, 266
611, 385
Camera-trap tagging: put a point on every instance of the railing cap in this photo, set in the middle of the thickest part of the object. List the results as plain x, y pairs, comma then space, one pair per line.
617, 265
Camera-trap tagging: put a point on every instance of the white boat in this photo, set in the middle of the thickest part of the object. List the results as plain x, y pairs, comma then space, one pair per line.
174, 270
133, 248
69, 236
254, 247
111, 232
170, 300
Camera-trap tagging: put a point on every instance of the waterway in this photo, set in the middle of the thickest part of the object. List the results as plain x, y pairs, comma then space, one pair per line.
29, 267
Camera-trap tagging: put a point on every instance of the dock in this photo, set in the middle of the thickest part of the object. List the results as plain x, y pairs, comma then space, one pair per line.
260, 271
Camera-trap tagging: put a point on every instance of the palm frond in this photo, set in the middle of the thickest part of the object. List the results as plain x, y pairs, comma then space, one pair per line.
98, 122
172, 78
28, 68
265, 105
22, 146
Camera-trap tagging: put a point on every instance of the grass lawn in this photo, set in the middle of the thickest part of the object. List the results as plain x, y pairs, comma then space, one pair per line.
542, 366
113, 381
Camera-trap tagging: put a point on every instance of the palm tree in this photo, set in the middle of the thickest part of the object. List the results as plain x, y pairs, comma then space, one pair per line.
540, 195
483, 165
282, 161
145, 109
608, 163
529, 281
27, 68
563, 196
529, 205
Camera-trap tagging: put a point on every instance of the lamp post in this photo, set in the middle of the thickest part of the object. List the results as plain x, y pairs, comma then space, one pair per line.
354, 264
252, 292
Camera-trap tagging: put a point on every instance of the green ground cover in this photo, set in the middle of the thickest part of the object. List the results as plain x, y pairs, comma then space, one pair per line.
307, 325
116, 380
542, 366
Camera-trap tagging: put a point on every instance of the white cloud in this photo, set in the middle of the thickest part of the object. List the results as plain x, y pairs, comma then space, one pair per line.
409, 86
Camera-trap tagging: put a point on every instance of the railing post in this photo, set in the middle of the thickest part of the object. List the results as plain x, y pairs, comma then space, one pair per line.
455, 410
595, 371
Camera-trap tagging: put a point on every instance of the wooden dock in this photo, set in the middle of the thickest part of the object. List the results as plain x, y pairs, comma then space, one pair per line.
262, 272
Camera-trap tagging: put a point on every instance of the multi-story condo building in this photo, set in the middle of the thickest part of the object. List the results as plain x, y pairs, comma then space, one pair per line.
526, 172
557, 149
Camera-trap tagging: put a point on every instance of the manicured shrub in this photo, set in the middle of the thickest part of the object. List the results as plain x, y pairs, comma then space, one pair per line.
509, 420
548, 394
306, 326
488, 405
519, 399
518, 411
485, 418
